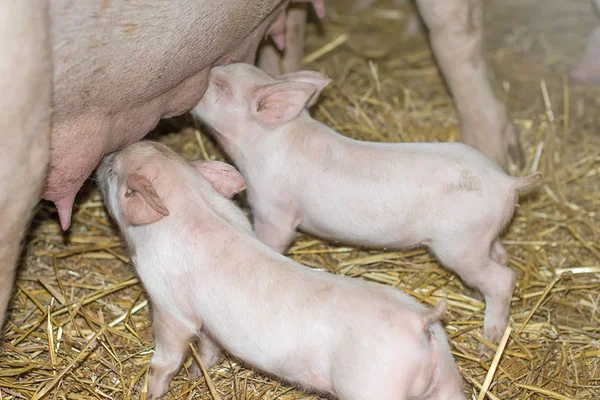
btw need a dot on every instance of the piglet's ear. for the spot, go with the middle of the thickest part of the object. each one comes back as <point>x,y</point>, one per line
<point>317,79</point>
<point>141,204</point>
<point>223,177</point>
<point>281,102</point>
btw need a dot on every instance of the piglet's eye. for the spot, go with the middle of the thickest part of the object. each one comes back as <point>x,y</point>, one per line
<point>222,86</point>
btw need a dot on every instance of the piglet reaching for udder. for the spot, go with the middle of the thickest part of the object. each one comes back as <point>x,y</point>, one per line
<point>209,278</point>
<point>302,174</point>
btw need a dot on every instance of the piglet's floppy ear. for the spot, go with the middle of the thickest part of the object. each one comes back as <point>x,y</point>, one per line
<point>317,79</point>
<point>223,177</point>
<point>281,102</point>
<point>141,204</point>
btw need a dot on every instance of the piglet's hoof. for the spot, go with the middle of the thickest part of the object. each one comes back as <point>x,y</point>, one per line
<point>484,352</point>
<point>194,370</point>
<point>492,334</point>
<point>157,386</point>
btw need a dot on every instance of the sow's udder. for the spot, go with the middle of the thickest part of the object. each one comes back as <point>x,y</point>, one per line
<point>79,144</point>
<point>119,91</point>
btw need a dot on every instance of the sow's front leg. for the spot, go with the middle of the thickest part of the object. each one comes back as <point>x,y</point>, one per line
<point>456,34</point>
<point>25,84</point>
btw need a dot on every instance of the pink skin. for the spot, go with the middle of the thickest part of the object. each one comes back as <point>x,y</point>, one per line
<point>289,40</point>
<point>118,67</point>
<point>151,63</point>
<point>327,333</point>
<point>25,84</point>
<point>301,174</point>
<point>456,35</point>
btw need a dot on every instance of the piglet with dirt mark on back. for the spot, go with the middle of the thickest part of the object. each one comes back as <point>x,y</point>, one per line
<point>211,280</point>
<point>302,174</point>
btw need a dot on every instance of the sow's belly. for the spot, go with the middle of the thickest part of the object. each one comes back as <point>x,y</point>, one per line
<point>121,66</point>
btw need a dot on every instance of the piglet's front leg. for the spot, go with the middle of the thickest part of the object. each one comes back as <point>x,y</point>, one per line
<point>171,340</point>
<point>276,231</point>
<point>209,352</point>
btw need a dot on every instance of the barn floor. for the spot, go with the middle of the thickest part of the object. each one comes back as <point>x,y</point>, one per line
<point>79,326</point>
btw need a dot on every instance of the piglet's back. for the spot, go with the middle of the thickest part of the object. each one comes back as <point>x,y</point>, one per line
<point>276,282</point>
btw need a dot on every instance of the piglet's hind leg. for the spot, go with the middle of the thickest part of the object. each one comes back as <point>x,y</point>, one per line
<point>497,283</point>
<point>171,344</point>
<point>479,270</point>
